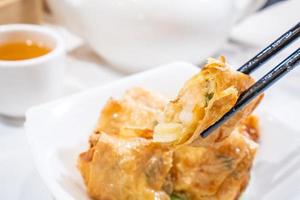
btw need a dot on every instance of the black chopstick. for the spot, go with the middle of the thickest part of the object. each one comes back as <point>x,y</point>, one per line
<point>261,85</point>
<point>271,50</point>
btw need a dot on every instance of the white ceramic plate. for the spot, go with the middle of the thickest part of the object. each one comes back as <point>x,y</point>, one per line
<point>58,131</point>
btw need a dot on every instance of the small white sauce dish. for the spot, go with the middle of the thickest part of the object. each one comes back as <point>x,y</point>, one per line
<point>29,82</point>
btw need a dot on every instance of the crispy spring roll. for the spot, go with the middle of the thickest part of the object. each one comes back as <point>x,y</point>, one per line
<point>203,100</point>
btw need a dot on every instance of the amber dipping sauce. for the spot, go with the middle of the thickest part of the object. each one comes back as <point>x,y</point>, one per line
<point>22,50</point>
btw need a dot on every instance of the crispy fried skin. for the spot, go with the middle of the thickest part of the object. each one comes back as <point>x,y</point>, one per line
<point>132,168</point>
<point>216,173</point>
<point>203,100</point>
<point>132,116</point>
<point>123,162</point>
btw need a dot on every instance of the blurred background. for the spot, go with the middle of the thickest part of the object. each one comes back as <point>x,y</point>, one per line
<point>125,37</point>
<point>128,36</point>
<point>108,40</point>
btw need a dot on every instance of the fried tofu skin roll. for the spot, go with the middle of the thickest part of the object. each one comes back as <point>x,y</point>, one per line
<point>218,173</point>
<point>134,115</point>
<point>122,162</point>
<point>134,168</point>
<point>203,100</point>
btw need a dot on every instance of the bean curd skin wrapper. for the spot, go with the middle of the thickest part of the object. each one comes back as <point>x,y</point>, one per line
<point>145,147</point>
<point>202,101</point>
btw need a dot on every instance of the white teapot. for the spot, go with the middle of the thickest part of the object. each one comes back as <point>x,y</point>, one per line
<point>134,35</point>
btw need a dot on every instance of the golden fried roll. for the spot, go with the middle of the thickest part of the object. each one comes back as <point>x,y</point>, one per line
<point>203,100</point>
<point>218,173</point>
<point>132,168</point>
<point>135,114</point>
<point>120,163</point>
